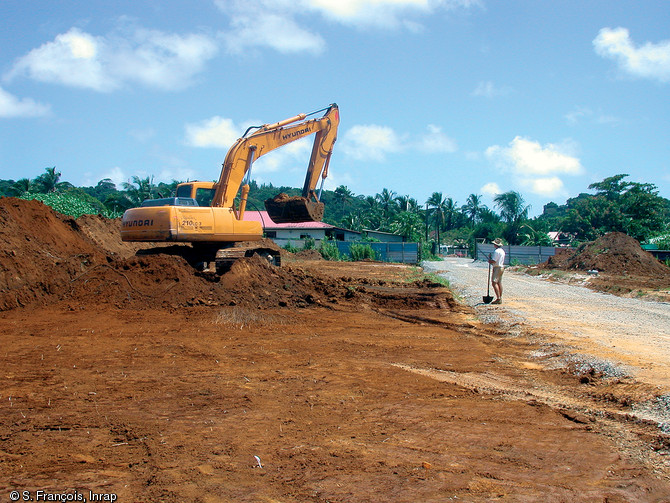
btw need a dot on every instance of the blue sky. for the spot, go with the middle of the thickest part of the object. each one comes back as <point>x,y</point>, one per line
<point>455,96</point>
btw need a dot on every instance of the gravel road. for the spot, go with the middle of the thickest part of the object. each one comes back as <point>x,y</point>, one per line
<point>625,335</point>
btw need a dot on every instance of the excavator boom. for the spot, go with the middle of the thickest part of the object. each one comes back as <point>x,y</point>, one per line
<point>266,138</point>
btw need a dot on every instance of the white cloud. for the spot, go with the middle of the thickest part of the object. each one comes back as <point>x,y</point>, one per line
<point>267,23</point>
<point>490,189</point>
<point>527,157</point>
<point>544,186</point>
<point>382,13</point>
<point>161,60</point>
<point>374,142</point>
<point>536,166</point>
<point>273,30</point>
<point>436,141</point>
<point>370,142</point>
<point>71,59</point>
<point>216,132</point>
<point>650,61</point>
<point>489,90</point>
<point>274,23</point>
<point>151,58</point>
<point>12,107</point>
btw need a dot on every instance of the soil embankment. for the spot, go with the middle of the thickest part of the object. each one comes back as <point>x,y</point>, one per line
<point>617,264</point>
<point>318,381</point>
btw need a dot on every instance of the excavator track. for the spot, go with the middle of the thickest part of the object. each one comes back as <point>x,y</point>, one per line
<point>226,257</point>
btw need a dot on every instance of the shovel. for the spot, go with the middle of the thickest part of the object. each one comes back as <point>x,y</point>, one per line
<point>487,298</point>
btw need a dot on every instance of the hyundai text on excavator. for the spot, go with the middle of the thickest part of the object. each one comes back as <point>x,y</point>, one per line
<point>204,213</point>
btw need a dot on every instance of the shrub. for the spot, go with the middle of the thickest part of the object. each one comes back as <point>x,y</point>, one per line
<point>329,250</point>
<point>309,244</point>
<point>426,251</point>
<point>361,252</point>
<point>290,248</point>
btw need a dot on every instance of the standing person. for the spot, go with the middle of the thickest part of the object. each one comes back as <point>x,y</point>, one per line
<point>498,263</point>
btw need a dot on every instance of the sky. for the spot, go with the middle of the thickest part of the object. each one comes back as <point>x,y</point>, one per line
<point>453,96</point>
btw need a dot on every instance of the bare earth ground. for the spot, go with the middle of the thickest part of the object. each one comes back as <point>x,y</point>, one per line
<point>318,381</point>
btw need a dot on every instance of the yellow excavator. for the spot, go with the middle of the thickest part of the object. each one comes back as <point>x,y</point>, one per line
<point>205,214</point>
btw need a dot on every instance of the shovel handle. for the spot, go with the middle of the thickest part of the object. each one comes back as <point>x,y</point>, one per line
<point>488,283</point>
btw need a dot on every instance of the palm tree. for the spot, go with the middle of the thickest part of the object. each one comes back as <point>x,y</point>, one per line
<point>343,194</point>
<point>387,202</point>
<point>407,203</point>
<point>372,215</point>
<point>449,212</point>
<point>438,204</point>
<point>387,199</point>
<point>533,237</point>
<point>512,211</point>
<point>408,225</point>
<point>472,207</point>
<point>511,206</point>
<point>50,181</point>
<point>353,221</point>
<point>140,189</point>
<point>21,186</point>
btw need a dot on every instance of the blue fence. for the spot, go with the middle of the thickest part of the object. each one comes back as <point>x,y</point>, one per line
<point>518,254</point>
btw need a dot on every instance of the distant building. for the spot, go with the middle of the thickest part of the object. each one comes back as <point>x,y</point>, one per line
<point>282,234</point>
<point>384,237</point>
<point>560,238</point>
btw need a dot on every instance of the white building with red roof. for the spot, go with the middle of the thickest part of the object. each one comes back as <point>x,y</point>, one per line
<point>282,234</point>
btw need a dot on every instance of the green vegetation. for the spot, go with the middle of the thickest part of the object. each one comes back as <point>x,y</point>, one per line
<point>359,251</point>
<point>417,274</point>
<point>290,248</point>
<point>329,251</point>
<point>616,204</point>
<point>73,203</point>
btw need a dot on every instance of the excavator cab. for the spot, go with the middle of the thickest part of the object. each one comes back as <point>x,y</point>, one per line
<point>202,192</point>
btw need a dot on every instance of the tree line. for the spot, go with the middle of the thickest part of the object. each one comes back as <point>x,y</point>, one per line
<point>615,204</point>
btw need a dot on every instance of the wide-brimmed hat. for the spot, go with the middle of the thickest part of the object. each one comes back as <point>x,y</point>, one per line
<point>498,242</point>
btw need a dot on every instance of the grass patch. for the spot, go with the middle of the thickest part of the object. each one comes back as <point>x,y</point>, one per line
<point>417,274</point>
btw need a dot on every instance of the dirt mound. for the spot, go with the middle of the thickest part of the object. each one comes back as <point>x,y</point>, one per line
<point>169,282</point>
<point>41,250</point>
<point>614,253</point>
<point>47,257</point>
<point>104,232</point>
<point>305,255</point>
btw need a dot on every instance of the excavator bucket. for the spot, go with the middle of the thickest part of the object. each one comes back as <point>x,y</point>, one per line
<point>292,209</point>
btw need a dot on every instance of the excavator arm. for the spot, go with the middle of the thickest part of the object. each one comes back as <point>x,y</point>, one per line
<point>265,139</point>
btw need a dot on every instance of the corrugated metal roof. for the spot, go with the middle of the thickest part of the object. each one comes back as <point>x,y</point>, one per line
<point>268,223</point>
